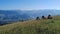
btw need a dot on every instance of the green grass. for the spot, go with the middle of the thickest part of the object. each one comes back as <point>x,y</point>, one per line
<point>46,26</point>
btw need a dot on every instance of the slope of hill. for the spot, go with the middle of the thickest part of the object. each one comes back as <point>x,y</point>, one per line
<point>43,26</point>
<point>8,16</point>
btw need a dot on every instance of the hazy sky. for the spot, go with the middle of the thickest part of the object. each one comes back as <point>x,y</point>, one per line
<point>29,4</point>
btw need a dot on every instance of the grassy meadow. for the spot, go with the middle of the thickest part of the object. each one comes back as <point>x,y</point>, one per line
<point>42,26</point>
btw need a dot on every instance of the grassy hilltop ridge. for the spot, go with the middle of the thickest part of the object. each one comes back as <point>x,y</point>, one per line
<point>43,26</point>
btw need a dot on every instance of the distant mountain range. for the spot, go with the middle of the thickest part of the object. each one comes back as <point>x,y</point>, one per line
<point>7,16</point>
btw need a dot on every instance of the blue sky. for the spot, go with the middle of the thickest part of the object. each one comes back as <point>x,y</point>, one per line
<point>29,4</point>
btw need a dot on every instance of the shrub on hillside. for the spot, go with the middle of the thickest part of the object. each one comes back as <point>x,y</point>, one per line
<point>49,17</point>
<point>43,17</point>
<point>37,18</point>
